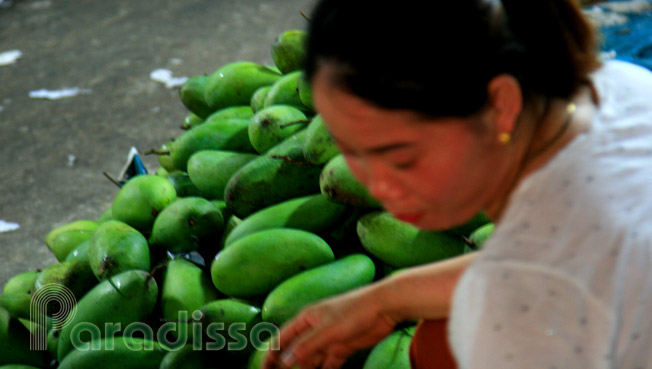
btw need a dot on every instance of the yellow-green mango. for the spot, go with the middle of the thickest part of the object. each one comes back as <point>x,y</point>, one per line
<point>77,276</point>
<point>279,175</point>
<point>401,244</point>
<point>186,224</point>
<point>117,247</point>
<point>17,304</point>
<point>289,50</point>
<point>319,147</point>
<point>238,319</point>
<point>286,92</point>
<point>164,158</point>
<point>255,264</point>
<point>141,199</point>
<point>312,213</point>
<point>222,134</point>
<point>334,278</point>
<point>21,283</point>
<point>466,228</point>
<point>273,124</point>
<point>338,183</point>
<point>80,253</point>
<point>258,98</point>
<point>481,235</point>
<point>184,358</point>
<point>183,185</point>
<point>231,225</point>
<point>122,299</point>
<point>117,353</point>
<point>15,344</point>
<point>192,94</point>
<point>235,83</point>
<point>106,215</point>
<point>210,170</point>
<point>64,239</point>
<point>393,352</point>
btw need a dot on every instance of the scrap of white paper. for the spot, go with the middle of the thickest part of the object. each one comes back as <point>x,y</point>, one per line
<point>164,76</point>
<point>58,94</point>
<point>9,57</point>
<point>636,6</point>
<point>8,226</point>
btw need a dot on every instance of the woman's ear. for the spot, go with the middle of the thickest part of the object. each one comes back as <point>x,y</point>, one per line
<point>506,102</point>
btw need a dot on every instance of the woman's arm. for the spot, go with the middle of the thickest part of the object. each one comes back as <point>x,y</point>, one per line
<point>423,292</point>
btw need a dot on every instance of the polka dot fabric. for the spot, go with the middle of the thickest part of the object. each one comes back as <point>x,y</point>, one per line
<point>565,281</point>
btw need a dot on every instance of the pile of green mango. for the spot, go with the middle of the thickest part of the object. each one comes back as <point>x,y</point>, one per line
<point>252,215</point>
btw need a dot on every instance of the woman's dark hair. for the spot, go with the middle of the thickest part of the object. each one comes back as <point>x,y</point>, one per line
<point>438,57</point>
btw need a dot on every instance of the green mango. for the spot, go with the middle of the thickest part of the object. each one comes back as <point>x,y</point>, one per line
<point>191,120</point>
<point>65,238</point>
<point>229,312</point>
<point>481,235</point>
<point>141,199</point>
<point>164,158</point>
<point>281,174</point>
<point>15,343</point>
<point>184,358</point>
<point>401,244</point>
<point>192,94</point>
<point>286,92</point>
<point>227,134</point>
<point>338,183</point>
<point>122,299</point>
<point>21,283</point>
<point>393,352</point>
<point>117,247</point>
<point>273,124</point>
<point>470,225</point>
<point>258,98</point>
<point>232,112</point>
<point>305,92</point>
<point>235,83</point>
<point>210,170</point>
<point>53,342</point>
<point>117,353</point>
<point>80,253</point>
<point>17,304</point>
<point>17,366</point>
<point>186,287</point>
<point>289,50</point>
<point>255,264</point>
<point>319,147</point>
<point>186,224</point>
<point>77,276</point>
<point>312,213</point>
<point>334,278</point>
<point>183,185</point>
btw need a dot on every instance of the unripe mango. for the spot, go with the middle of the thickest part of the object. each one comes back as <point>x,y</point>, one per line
<point>119,353</point>
<point>117,247</point>
<point>319,147</point>
<point>274,124</point>
<point>186,287</point>
<point>305,92</point>
<point>313,213</point>
<point>141,199</point>
<point>15,344</point>
<point>186,224</point>
<point>393,352</point>
<point>183,185</point>
<point>310,286</point>
<point>255,264</point>
<point>77,276</point>
<point>288,50</point>
<point>21,283</point>
<point>64,239</point>
<point>192,94</point>
<point>481,235</point>
<point>286,92</point>
<point>210,170</point>
<point>235,83</point>
<point>338,183</point>
<point>222,134</point>
<point>191,120</point>
<point>258,98</point>
<point>401,244</point>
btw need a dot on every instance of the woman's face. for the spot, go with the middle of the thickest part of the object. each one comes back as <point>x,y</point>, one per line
<point>434,174</point>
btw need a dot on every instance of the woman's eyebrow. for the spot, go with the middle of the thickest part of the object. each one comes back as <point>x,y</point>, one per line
<point>379,149</point>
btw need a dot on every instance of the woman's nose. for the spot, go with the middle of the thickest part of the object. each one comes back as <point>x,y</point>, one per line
<point>381,186</point>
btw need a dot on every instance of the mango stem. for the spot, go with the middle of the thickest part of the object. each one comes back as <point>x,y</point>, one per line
<point>157,152</point>
<point>115,182</point>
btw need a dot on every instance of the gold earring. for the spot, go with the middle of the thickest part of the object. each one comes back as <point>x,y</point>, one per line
<point>504,138</point>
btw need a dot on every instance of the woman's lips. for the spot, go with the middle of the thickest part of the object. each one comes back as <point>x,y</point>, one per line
<point>409,218</point>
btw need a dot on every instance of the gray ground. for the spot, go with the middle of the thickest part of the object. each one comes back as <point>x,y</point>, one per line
<point>109,47</point>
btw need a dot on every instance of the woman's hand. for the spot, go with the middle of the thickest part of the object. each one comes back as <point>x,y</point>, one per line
<point>325,334</point>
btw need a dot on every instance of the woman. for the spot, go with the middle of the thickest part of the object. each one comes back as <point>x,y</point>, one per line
<point>502,107</point>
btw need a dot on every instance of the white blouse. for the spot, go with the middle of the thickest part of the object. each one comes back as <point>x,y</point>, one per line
<point>565,281</point>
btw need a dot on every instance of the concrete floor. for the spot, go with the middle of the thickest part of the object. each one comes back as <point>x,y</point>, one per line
<point>109,47</point>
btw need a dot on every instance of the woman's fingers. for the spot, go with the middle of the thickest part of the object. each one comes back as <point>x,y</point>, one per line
<point>288,334</point>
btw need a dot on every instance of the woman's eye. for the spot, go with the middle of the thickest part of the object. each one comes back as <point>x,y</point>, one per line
<point>406,165</point>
